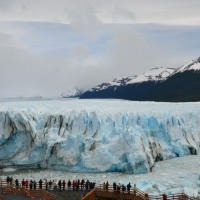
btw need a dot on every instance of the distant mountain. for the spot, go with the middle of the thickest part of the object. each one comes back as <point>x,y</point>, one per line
<point>73,93</point>
<point>158,84</point>
<point>115,83</point>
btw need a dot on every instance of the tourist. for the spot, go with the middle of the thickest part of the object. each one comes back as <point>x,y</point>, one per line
<point>11,180</point>
<point>31,184</point>
<point>73,184</point>
<point>26,184</point>
<point>59,185</point>
<point>46,184</point>
<point>82,183</point>
<point>87,185</point>
<point>69,184</point>
<point>40,184</point>
<point>129,187</point>
<point>63,184</point>
<point>34,184</point>
<point>54,185</point>
<point>118,187</point>
<point>123,188</point>
<point>114,186</point>
<point>92,185</point>
<point>23,183</point>
<point>77,185</point>
<point>104,186</point>
<point>107,185</point>
<point>164,196</point>
<point>50,185</point>
<point>8,180</point>
<point>17,183</point>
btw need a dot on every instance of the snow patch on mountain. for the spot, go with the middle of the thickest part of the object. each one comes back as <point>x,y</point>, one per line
<point>116,82</point>
<point>73,93</point>
<point>155,74</point>
<point>192,65</point>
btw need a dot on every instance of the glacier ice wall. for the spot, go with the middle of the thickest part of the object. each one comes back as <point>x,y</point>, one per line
<point>97,135</point>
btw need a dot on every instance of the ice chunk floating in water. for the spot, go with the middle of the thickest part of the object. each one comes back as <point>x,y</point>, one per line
<point>97,135</point>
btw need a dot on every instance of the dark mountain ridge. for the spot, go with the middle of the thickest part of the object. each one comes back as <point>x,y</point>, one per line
<point>159,84</point>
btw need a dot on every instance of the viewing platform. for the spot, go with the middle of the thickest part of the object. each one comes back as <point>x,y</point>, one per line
<point>100,193</point>
<point>12,192</point>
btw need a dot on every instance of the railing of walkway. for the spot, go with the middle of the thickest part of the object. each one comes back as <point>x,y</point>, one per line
<point>99,191</point>
<point>90,195</point>
<point>134,193</point>
<point>12,189</point>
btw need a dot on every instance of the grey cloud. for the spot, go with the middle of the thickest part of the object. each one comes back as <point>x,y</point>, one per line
<point>6,39</point>
<point>80,13</point>
<point>25,71</point>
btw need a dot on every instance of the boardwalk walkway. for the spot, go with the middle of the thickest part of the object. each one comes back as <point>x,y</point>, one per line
<point>101,193</point>
<point>11,192</point>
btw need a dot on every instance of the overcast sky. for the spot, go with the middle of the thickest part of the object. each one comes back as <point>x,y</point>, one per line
<point>50,46</point>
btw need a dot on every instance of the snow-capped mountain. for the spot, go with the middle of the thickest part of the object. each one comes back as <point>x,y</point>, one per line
<point>192,65</point>
<point>157,84</point>
<point>155,74</point>
<point>73,93</point>
<point>116,82</point>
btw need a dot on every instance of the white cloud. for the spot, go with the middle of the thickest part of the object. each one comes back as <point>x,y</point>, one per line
<point>78,12</point>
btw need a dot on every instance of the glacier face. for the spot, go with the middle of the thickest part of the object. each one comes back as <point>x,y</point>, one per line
<point>97,135</point>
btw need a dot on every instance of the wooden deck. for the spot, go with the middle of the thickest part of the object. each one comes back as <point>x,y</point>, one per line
<point>98,193</point>
<point>134,194</point>
<point>13,190</point>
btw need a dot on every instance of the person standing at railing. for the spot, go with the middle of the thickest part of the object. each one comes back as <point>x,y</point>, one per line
<point>92,185</point>
<point>146,196</point>
<point>40,183</point>
<point>11,180</point>
<point>17,183</point>
<point>118,187</point>
<point>8,180</point>
<point>59,185</point>
<point>31,184</point>
<point>78,185</point>
<point>69,184</point>
<point>164,197</point>
<point>46,184</point>
<point>107,185</point>
<point>114,186</point>
<point>50,185</point>
<point>34,184</point>
<point>87,185</point>
<point>63,183</point>
<point>54,185</point>
<point>129,187</point>
<point>123,188</point>
<point>73,184</point>
<point>104,186</point>
<point>26,184</point>
<point>23,183</point>
<point>82,183</point>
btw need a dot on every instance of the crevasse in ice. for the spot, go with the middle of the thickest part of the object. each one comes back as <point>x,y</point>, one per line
<point>97,135</point>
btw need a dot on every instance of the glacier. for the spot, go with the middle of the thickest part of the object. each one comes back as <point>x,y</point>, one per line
<point>96,135</point>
